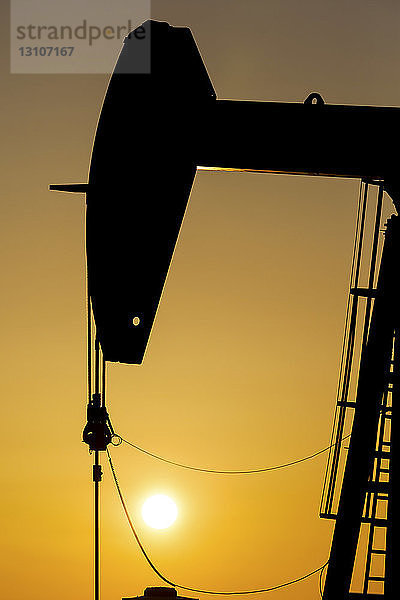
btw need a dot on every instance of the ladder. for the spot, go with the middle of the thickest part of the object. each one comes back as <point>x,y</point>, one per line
<point>367,492</point>
<point>377,497</point>
<point>379,493</point>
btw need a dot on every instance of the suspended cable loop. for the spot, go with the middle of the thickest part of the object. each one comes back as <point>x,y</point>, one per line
<point>184,587</point>
<point>231,472</point>
<point>321,574</point>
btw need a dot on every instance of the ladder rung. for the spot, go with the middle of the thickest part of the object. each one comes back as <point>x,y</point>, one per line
<point>378,486</point>
<point>361,596</point>
<point>382,453</point>
<point>377,551</point>
<point>364,292</point>
<point>376,578</point>
<point>327,515</point>
<point>393,377</point>
<point>378,522</point>
<point>382,497</point>
<point>382,470</point>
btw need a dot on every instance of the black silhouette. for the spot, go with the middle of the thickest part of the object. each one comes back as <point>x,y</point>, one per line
<point>155,129</point>
<point>159,593</point>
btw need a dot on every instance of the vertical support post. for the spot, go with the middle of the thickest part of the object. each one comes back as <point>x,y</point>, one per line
<point>96,479</point>
<point>392,587</point>
<point>97,475</point>
<point>97,435</point>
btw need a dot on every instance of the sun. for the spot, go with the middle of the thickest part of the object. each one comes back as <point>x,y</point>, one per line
<point>159,511</point>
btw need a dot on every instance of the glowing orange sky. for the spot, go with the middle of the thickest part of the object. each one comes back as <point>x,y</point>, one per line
<point>242,364</point>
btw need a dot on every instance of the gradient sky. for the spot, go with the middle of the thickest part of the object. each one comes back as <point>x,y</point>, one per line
<point>242,364</point>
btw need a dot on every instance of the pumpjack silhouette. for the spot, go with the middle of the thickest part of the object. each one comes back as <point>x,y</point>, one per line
<point>155,129</point>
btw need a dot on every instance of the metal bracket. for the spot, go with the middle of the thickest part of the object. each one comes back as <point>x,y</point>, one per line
<point>97,433</point>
